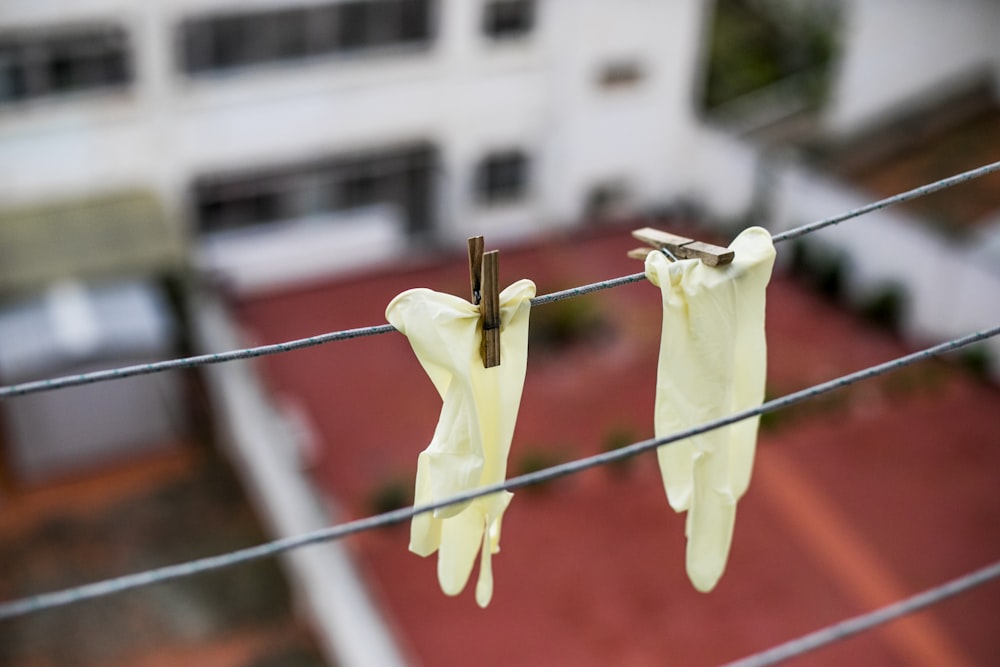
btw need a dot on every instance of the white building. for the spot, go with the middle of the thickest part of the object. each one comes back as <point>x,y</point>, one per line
<point>334,130</point>
<point>899,55</point>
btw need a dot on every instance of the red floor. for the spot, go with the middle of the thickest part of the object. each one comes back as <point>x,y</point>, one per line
<point>876,492</point>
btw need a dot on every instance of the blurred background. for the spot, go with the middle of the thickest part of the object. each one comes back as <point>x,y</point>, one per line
<point>186,176</point>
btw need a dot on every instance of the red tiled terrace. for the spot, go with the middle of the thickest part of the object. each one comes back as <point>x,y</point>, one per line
<point>860,498</point>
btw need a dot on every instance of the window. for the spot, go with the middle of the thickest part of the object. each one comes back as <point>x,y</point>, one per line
<point>620,74</point>
<point>402,176</point>
<point>502,177</point>
<point>608,199</point>
<point>43,64</point>
<point>504,19</point>
<point>237,40</point>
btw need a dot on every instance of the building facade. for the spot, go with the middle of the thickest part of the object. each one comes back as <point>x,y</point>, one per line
<point>353,126</point>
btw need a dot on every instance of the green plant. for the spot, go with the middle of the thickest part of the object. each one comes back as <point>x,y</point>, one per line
<point>977,360</point>
<point>821,267</point>
<point>756,43</point>
<point>537,458</point>
<point>885,307</point>
<point>392,493</point>
<point>617,437</point>
<point>567,322</point>
<point>824,404</point>
<point>770,420</point>
<point>927,377</point>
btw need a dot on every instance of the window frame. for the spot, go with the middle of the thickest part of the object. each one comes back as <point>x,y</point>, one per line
<point>327,30</point>
<point>401,174</point>
<point>506,20</point>
<point>66,61</point>
<point>503,177</point>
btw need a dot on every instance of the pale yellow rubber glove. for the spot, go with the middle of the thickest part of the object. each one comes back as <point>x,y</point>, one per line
<point>472,439</point>
<point>713,362</point>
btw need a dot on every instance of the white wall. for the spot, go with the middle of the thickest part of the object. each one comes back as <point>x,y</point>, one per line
<point>721,173</point>
<point>897,52</point>
<point>635,134</point>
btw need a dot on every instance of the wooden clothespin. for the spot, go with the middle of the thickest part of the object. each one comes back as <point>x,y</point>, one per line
<point>484,279</point>
<point>680,247</point>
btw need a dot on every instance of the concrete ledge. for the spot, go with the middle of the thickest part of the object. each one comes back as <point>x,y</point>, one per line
<point>259,443</point>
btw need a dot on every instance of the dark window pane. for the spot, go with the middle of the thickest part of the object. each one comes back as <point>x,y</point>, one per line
<point>508,18</point>
<point>360,189</point>
<point>12,82</point>
<point>354,24</point>
<point>502,177</point>
<point>50,63</point>
<point>415,20</point>
<point>230,42</point>
<point>115,67</point>
<point>382,23</point>
<point>400,176</point>
<point>321,29</point>
<point>223,42</point>
<point>287,35</point>
<point>60,73</point>
<point>195,46</point>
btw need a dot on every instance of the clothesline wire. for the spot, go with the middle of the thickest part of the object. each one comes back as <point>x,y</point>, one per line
<point>311,341</point>
<point>44,601</point>
<point>869,620</point>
